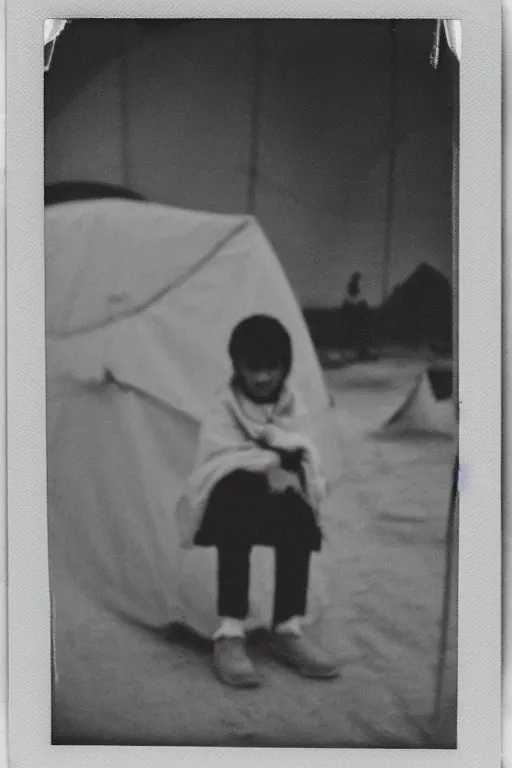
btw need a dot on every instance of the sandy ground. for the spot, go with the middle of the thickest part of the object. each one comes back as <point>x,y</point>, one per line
<point>124,684</point>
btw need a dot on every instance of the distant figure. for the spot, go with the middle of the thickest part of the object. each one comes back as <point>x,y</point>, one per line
<point>257,482</point>
<point>354,287</point>
<point>357,317</point>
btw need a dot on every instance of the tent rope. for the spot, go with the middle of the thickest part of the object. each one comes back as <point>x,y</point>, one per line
<point>254,136</point>
<point>392,150</point>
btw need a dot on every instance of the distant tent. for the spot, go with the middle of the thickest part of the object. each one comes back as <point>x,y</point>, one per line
<point>420,309</point>
<point>421,414</point>
<point>141,300</point>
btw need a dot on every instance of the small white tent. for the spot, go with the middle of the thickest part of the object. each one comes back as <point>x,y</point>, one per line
<point>422,414</point>
<point>141,301</point>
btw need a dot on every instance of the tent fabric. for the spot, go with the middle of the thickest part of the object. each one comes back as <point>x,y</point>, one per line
<point>128,383</point>
<point>198,277</point>
<point>142,261</point>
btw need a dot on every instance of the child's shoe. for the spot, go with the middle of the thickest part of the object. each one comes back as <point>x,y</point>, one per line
<point>297,651</point>
<point>232,665</point>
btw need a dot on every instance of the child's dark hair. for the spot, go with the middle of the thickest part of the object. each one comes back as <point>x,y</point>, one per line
<point>261,341</point>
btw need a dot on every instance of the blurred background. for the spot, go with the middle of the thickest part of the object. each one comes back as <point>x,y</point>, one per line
<point>336,134</point>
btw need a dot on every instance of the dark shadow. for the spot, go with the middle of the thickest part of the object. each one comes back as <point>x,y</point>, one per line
<point>71,191</point>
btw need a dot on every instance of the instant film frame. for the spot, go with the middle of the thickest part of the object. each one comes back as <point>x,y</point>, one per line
<point>479,386</point>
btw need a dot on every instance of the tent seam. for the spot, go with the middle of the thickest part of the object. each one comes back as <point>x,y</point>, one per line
<point>178,283</point>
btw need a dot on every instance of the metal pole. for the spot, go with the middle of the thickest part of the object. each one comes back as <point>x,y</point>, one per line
<point>452,542</point>
<point>449,594</point>
<point>254,135</point>
<point>392,148</point>
<point>124,107</point>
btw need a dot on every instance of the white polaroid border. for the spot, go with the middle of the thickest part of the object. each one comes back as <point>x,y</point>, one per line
<point>507,533</point>
<point>479,302</point>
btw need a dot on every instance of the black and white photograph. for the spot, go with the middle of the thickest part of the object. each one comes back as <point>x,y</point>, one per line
<point>251,240</point>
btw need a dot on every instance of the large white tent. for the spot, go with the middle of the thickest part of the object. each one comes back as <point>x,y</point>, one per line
<point>141,301</point>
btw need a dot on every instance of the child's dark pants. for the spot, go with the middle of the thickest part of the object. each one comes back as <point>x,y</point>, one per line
<point>242,513</point>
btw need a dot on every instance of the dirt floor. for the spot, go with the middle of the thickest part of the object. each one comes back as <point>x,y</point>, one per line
<point>124,684</point>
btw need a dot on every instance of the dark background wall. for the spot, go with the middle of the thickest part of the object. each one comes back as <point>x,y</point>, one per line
<point>179,111</point>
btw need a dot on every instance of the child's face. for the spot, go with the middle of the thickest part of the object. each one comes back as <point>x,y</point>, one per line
<point>262,383</point>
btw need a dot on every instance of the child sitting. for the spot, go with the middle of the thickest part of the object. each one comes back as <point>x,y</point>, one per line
<point>257,483</point>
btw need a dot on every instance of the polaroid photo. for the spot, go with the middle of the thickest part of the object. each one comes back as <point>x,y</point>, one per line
<point>254,382</point>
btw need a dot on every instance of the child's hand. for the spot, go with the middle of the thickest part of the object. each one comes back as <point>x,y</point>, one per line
<point>280,481</point>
